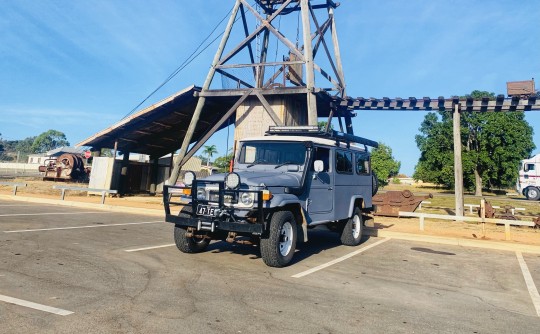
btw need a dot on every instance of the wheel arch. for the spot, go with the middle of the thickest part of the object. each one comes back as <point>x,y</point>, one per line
<point>299,216</point>
<point>356,201</point>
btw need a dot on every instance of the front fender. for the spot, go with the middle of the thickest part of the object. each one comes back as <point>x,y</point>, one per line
<point>280,200</point>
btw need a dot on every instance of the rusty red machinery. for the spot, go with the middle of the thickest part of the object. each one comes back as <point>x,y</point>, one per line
<point>391,203</point>
<point>66,167</point>
<point>491,212</point>
<point>536,222</point>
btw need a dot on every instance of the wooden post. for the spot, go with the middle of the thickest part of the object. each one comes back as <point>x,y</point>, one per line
<point>310,71</point>
<point>337,51</point>
<point>458,168</point>
<point>483,215</point>
<point>421,222</point>
<point>507,235</point>
<point>122,180</point>
<point>202,100</point>
<point>154,172</point>
<point>115,149</point>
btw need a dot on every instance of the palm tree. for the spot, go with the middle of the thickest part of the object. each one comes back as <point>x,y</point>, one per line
<point>209,151</point>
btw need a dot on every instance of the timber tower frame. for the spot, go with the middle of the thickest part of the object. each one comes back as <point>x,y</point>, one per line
<point>269,87</point>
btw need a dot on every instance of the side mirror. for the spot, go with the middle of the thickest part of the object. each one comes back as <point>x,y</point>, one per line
<point>318,166</point>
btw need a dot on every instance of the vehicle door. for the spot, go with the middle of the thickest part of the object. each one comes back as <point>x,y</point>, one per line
<point>345,183</point>
<point>363,177</point>
<point>321,194</point>
<point>529,174</point>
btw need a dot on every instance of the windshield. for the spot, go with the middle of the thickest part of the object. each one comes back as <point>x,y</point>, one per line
<point>272,153</point>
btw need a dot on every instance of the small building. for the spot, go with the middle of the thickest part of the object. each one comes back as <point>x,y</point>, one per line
<point>40,158</point>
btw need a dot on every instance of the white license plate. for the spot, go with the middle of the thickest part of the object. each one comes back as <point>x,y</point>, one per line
<point>207,210</point>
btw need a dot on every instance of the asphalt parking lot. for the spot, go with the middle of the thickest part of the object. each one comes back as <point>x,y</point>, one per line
<point>66,270</point>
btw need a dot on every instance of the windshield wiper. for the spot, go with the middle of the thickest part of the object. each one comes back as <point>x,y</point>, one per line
<point>255,162</point>
<point>286,163</point>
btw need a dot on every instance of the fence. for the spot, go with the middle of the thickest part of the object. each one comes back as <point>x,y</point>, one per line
<point>11,169</point>
<point>507,223</point>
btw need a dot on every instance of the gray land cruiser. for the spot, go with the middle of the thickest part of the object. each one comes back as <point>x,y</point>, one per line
<point>284,183</point>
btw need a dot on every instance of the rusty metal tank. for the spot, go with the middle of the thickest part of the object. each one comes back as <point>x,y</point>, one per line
<point>391,203</point>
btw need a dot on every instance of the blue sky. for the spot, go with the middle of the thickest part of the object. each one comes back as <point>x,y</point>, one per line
<point>79,66</point>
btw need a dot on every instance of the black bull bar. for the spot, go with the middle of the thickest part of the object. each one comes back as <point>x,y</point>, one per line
<point>224,219</point>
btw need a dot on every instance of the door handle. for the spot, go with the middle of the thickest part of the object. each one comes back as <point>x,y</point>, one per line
<point>330,188</point>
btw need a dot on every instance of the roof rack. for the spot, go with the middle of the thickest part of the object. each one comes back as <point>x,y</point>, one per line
<point>315,131</point>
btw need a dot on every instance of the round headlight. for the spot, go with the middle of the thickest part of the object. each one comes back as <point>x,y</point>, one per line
<point>201,193</point>
<point>188,178</point>
<point>246,199</point>
<point>232,181</point>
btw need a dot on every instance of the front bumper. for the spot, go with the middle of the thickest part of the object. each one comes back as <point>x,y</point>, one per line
<point>228,222</point>
<point>201,223</point>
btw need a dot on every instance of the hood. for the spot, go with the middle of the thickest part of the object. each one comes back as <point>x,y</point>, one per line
<point>270,179</point>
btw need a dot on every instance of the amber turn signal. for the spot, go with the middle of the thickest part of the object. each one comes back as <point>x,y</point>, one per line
<point>187,191</point>
<point>267,195</point>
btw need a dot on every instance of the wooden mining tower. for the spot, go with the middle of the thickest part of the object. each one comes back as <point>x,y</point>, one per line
<point>272,91</point>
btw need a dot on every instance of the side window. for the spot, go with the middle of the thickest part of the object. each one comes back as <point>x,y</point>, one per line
<point>362,164</point>
<point>344,162</point>
<point>529,167</point>
<point>323,154</point>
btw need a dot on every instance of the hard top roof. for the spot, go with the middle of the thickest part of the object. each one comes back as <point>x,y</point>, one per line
<point>315,140</point>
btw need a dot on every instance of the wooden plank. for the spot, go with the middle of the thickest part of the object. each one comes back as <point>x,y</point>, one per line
<point>268,108</point>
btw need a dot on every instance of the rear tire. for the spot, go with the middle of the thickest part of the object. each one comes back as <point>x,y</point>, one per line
<point>353,228</point>
<point>277,249</point>
<point>188,244</point>
<point>532,194</point>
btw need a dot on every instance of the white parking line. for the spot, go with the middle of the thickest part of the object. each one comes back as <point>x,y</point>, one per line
<point>343,258</point>
<point>530,282</point>
<point>148,248</point>
<point>51,213</point>
<point>35,306</point>
<point>78,227</point>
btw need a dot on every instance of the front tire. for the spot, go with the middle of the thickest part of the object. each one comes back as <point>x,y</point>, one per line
<point>185,243</point>
<point>277,249</point>
<point>353,228</point>
<point>532,193</point>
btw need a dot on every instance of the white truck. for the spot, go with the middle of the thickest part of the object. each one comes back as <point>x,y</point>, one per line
<point>529,178</point>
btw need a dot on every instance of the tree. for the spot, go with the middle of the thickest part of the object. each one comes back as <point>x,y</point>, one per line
<point>49,140</point>
<point>384,164</point>
<point>492,146</point>
<point>322,125</point>
<point>24,145</point>
<point>222,163</point>
<point>209,151</point>
<point>1,145</point>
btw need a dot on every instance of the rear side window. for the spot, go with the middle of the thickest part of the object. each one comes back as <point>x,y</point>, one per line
<point>362,164</point>
<point>344,162</point>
